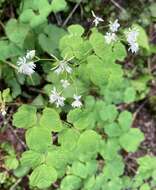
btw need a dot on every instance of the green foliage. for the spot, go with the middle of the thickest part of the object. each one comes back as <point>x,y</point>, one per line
<point>79,148</point>
<point>43,176</point>
<point>49,39</point>
<point>50,120</point>
<point>25,117</point>
<point>36,12</point>
<point>16,32</point>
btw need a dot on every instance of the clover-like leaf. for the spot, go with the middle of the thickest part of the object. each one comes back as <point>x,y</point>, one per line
<point>68,139</point>
<point>49,39</point>
<point>129,95</point>
<point>25,117</point>
<point>113,130</point>
<point>125,120</point>
<point>50,120</point>
<point>38,139</point>
<point>89,142</point>
<point>43,176</point>
<point>108,113</point>
<point>114,168</point>
<point>31,158</point>
<point>16,32</point>
<point>58,5</point>
<point>11,162</point>
<point>76,30</point>
<point>131,140</point>
<point>71,182</point>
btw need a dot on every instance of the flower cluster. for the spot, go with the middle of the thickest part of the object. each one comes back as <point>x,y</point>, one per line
<point>26,64</point>
<point>111,35</point>
<point>55,96</point>
<point>132,35</point>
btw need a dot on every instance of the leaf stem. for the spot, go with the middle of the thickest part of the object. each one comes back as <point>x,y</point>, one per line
<point>11,65</point>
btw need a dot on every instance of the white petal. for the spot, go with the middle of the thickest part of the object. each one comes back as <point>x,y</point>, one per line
<point>30,54</point>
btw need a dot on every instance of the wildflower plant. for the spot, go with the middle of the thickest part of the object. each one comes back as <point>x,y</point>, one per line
<point>76,138</point>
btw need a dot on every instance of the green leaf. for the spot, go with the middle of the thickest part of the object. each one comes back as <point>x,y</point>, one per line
<point>25,117</point>
<point>76,30</point>
<point>21,171</point>
<point>101,49</point>
<point>153,9</point>
<point>79,169</point>
<point>98,76</point>
<point>31,158</point>
<point>39,102</point>
<point>49,40</point>
<point>38,139</point>
<point>129,95</point>
<point>108,113</point>
<point>68,139</point>
<point>8,50</point>
<point>43,176</point>
<point>89,142</point>
<point>6,95</point>
<point>125,120</point>
<point>114,168</point>
<point>50,120</point>
<point>81,119</point>
<point>11,162</point>
<point>83,170</point>
<point>70,182</point>
<point>119,51</point>
<point>16,32</point>
<point>146,163</point>
<point>109,150</point>
<point>113,130</point>
<point>58,159</point>
<point>131,140</point>
<point>145,186</point>
<point>58,5</point>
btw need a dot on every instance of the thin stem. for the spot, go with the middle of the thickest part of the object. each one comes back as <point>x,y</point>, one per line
<point>118,6</point>
<point>74,84</point>
<point>53,56</point>
<point>11,65</point>
<point>13,187</point>
<point>31,79</point>
<point>3,26</point>
<point>43,60</point>
<point>71,13</point>
<point>38,59</point>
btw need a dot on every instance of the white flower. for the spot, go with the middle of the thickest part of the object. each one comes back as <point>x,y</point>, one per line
<point>56,98</point>
<point>3,111</point>
<point>26,67</point>
<point>110,37</point>
<point>132,35</point>
<point>65,83</point>
<point>25,64</point>
<point>134,47</point>
<point>63,67</point>
<point>97,19</point>
<point>114,26</point>
<point>30,54</point>
<point>76,103</point>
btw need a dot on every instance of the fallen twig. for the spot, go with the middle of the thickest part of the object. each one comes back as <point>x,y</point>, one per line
<point>71,13</point>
